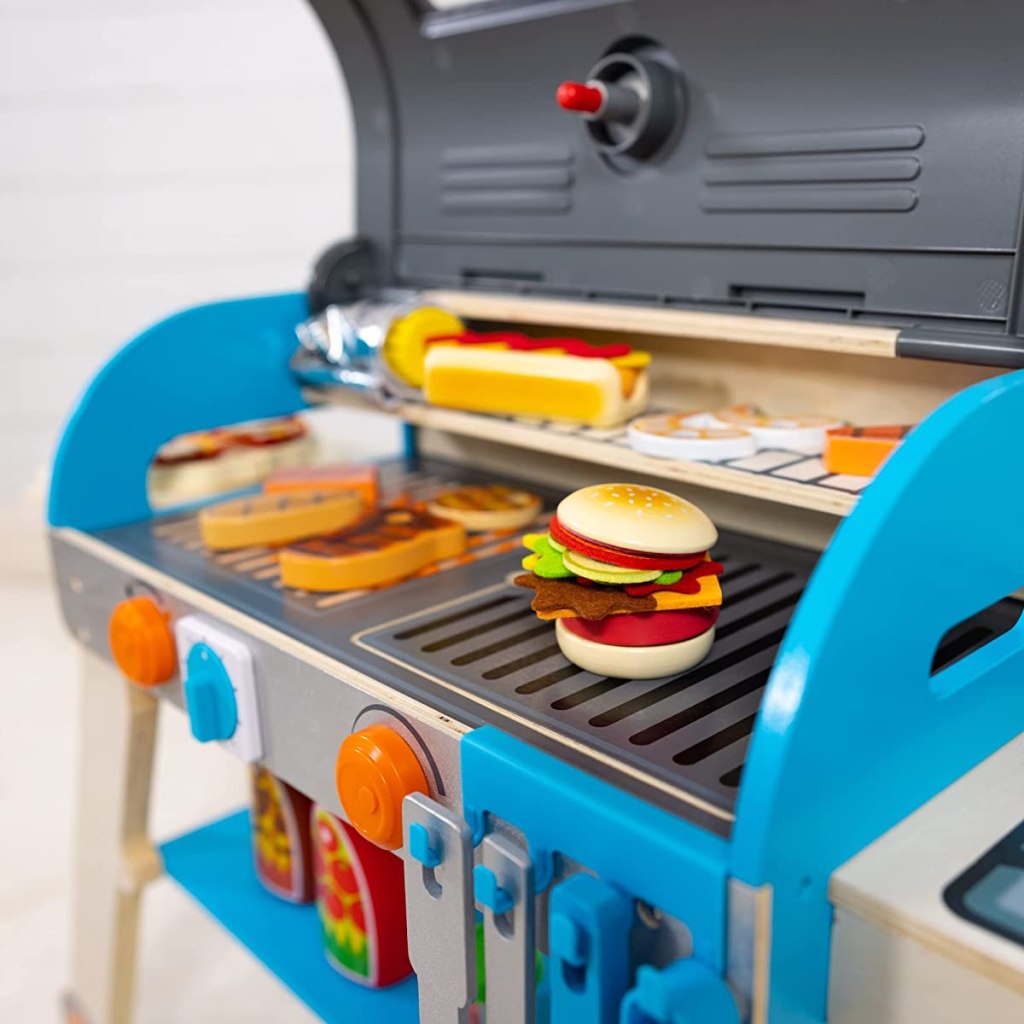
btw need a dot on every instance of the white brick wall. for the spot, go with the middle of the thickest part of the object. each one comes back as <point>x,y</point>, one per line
<point>152,155</point>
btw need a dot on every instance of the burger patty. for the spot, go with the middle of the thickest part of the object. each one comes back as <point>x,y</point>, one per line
<point>587,602</point>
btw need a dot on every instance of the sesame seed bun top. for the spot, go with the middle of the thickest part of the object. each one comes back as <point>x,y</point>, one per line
<point>638,518</point>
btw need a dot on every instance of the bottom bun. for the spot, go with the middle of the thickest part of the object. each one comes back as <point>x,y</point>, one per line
<point>633,662</point>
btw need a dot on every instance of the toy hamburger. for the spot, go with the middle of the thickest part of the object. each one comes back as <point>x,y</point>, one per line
<point>625,574</point>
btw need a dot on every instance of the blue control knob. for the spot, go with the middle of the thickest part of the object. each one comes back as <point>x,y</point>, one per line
<point>209,696</point>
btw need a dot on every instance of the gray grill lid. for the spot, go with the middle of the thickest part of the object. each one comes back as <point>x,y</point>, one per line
<point>862,182</point>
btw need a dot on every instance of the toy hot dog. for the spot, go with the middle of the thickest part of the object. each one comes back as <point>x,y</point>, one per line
<point>562,379</point>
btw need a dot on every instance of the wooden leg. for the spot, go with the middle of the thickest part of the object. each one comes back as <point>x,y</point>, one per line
<point>114,857</point>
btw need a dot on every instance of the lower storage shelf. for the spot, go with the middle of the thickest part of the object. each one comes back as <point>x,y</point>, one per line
<point>214,866</point>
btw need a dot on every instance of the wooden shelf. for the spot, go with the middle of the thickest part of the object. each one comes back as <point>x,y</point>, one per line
<point>214,866</point>
<point>785,477</point>
<point>779,476</point>
<point>750,329</point>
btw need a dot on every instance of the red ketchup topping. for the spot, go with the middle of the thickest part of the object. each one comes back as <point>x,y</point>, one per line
<point>521,343</point>
<point>689,584</point>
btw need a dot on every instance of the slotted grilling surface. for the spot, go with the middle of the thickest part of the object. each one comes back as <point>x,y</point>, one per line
<point>692,729</point>
<point>468,629</point>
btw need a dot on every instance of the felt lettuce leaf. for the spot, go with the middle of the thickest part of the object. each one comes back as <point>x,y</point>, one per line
<point>546,561</point>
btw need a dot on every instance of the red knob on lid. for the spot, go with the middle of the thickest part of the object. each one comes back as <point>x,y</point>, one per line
<point>580,98</point>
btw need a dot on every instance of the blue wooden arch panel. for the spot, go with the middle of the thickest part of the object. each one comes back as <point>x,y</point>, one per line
<point>853,733</point>
<point>205,367</point>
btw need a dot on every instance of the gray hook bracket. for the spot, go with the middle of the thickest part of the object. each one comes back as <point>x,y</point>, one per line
<point>440,909</point>
<point>504,887</point>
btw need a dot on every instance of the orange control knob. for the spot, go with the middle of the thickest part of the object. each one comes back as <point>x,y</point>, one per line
<point>142,642</point>
<point>376,770</point>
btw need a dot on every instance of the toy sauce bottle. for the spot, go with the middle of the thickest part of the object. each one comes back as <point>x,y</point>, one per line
<point>360,895</point>
<point>281,843</point>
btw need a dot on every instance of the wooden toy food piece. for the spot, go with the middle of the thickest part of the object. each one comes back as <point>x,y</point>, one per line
<point>200,465</point>
<point>552,378</point>
<point>860,451</point>
<point>276,518</point>
<point>803,434</point>
<point>678,436</point>
<point>385,548</point>
<point>361,480</point>
<point>360,895</point>
<point>626,575</point>
<point>195,447</point>
<point>282,845</point>
<point>481,507</point>
<point>405,346</point>
<point>286,440</point>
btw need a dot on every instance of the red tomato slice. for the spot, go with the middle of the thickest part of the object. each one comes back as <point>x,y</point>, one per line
<point>622,557</point>
<point>335,908</point>
<point>645,629</point>
<point>344,877</point>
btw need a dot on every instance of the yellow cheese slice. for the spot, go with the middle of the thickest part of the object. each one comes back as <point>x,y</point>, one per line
<point>709,596</point>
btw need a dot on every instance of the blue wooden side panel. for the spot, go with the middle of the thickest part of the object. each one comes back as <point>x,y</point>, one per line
<point>205,367</point>
<point>853,734</point>
<point>649,853</point>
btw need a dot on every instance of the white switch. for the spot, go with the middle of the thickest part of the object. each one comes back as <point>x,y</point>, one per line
<point>247,740</point>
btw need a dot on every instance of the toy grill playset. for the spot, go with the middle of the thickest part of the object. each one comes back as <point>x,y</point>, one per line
<point>673,672</point>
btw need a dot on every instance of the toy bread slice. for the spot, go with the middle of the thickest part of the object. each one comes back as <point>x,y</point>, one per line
<point>547,386</point>
<point>386,548</point>
<point>481,507</point>
<point>270,519</point>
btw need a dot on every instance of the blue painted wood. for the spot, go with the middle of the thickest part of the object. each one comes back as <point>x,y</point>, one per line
<point>563,810</point>
<point>853,733</point>
<point>209,366</point>
<point>214,866</point>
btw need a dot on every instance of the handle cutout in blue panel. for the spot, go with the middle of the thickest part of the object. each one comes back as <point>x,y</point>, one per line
<point>968,649</point>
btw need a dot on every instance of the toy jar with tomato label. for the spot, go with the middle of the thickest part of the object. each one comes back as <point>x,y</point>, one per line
<point>360,895</point>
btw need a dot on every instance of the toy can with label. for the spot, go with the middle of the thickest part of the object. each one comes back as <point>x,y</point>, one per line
<point>281,843</point>
<point>360,896</point>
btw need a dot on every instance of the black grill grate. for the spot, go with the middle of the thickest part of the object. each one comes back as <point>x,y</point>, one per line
<point>691,730</point>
